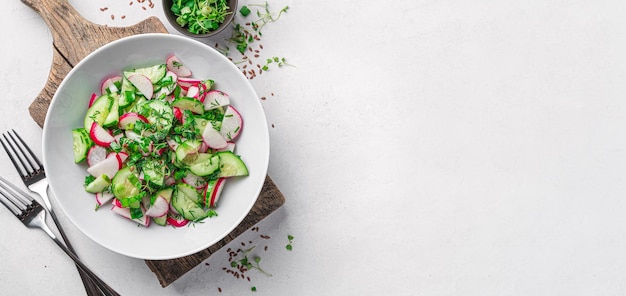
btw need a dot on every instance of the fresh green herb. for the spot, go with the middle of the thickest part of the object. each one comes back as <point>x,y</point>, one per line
<point>289,246</point>
<point>276,61</point>
<point>200,16</point>
<point>245,11</point>
<point>89,179</point>
<point>248,264</point>
<point>253,289</point>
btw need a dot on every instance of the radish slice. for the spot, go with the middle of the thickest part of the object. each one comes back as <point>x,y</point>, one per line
<point>96,154</point>
<point>128,120</point>
<point>125,212</point>
<point>213,138</point>
<point>109,84</point>
<point>92,99</point>
<point>231,124</point>
<point>213,191</point>
<point>123,156</point>
<point>178,114</point>
<point>193,92</point>
<point>100,136</point>
<point>103,197</point>
<point>159,208</point>
<point>109,166</point>
<point>143,84</point>
<point>194,181</point>
<point>215,99</point>
<point>175,65</point>
<point>185,83</point>
<point>229,147</point>
<point>177,222</point>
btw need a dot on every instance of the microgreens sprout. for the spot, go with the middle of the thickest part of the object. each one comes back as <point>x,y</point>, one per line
<point>247,263</point>
<point>276,61</point>
<point>289,245</point>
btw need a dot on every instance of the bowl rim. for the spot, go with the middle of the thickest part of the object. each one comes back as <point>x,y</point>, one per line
<point>263,170</point>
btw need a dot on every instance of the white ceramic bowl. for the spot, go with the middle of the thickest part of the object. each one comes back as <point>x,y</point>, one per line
<point>67,111</point>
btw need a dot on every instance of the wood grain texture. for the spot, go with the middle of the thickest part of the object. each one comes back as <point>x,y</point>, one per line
<point>73,39</point>
<point>167,271</point>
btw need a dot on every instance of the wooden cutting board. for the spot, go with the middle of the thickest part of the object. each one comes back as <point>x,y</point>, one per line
<point>74,38</point>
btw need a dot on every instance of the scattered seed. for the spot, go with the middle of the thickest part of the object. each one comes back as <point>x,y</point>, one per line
<point>261,46</point>
<point>112,17</point>
<point>123,17</point>
<point>265,236</point>
<point>103,8</point>
<point>272,125</point>
<point>131,3</point>
<point>263,98</point>
<point>143,7</point>
<point>265,249</point>
<point>219,289</point>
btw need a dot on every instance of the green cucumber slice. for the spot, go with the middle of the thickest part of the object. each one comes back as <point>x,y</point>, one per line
<point>81,144</point>
<point>185,205</point>
<point>154,73</point>
<point>231,165</point>
<point>191,104</point>
<point>205,164</point>
<point>125,184</point>
<point>99,184</point>
<point>99,111</point>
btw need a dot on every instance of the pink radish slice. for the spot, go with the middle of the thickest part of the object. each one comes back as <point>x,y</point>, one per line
<point>203,148</point>
<point>159,208</point>
<point>125,212</point>
<point>177,222</point>
<point>127,120</point>
<point>143,84</point>
<point>173,210</point>
<point>213,192</point>
<point>96,154</point>
<point>103,197</point>
<point>118,157</point>
<point>213,138</point>
<point>92,99</point>
<point>178,114</point>
<point>193,92</point>
<point>123,156</point>
<point>100,136</point>
<point>185,83</point>
<point>194,181</point>
<point>232,123</point>
<point>109,166</point>
<point>215,98</point>
<point>175,65</point>
<point>109,84</point>
<point>229,147</point>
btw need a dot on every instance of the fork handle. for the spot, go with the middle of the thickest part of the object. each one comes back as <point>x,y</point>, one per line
<point>41,188</point>
<point>106,289</point>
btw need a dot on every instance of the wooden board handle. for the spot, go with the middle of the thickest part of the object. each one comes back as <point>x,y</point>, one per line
<point>75,37</point>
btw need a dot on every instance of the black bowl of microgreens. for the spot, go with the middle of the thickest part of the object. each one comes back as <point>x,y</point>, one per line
<point>199,18</point>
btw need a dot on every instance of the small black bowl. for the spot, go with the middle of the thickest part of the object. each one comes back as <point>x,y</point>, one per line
<point>171,17</point>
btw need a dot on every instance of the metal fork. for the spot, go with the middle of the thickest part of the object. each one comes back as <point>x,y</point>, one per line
<point>33,215</point>
<point>34,176</point>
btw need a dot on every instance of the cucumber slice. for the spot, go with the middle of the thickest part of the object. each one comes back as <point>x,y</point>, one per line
<point>167,194</point>
<point>125,184</point>
<point>159,114</point>
<point>99,111</point>
<point>189,192</point>
<point>154,73</point>
<point>81,144</point>
<point>204,166</point>
<point>231,165</point>
<point>191,104</point>
<point>113,118</point>
<point>187,148</point>
<point>185,205</point>
<point>154,172</point>
<point>99,184</point>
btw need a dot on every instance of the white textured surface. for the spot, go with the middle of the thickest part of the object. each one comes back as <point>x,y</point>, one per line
<point>424,148</point>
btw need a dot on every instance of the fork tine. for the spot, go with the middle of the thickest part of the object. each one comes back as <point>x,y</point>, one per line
<point>30,152</point>
<point>28,165</point>
<point>14,198</point>
<point>23,173</point>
